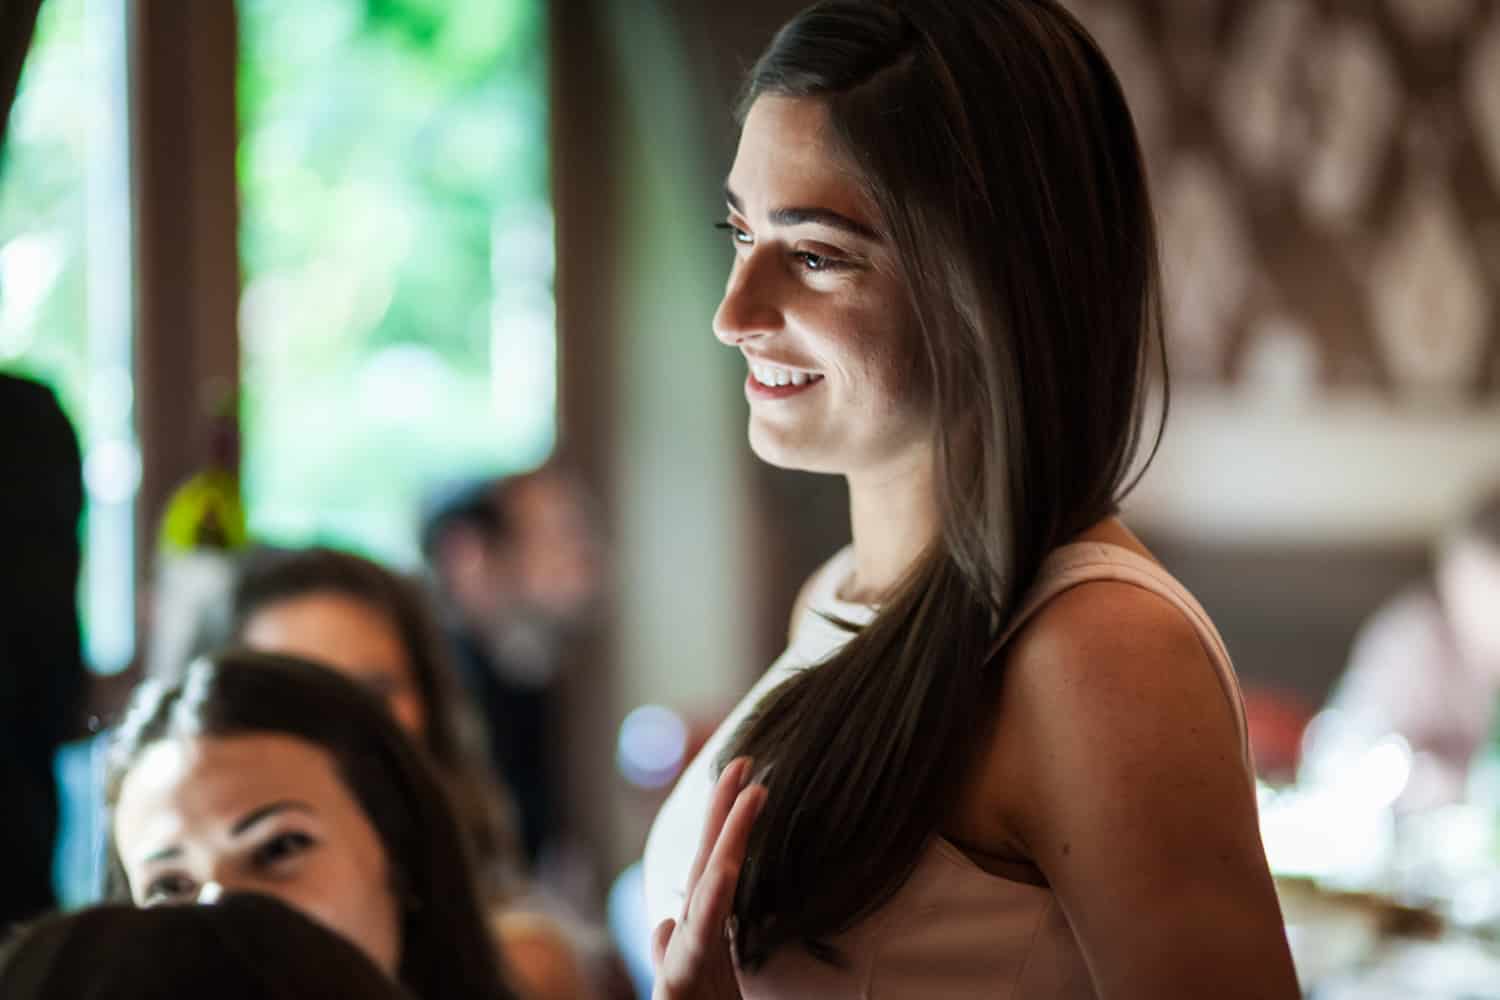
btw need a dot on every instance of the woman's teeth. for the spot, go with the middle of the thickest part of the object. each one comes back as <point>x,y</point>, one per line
<point>770,375</point>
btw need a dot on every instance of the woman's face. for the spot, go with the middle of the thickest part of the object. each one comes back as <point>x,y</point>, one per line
<point>815,304</point>
<point>351,636</point>
<point>264,813</point>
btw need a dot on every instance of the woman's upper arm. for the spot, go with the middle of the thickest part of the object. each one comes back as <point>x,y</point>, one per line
<point>1126,783</point>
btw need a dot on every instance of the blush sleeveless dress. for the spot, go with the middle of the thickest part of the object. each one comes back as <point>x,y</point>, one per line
<point>953,930</point>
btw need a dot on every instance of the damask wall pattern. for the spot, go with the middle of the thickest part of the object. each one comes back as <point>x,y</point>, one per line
<point>1326,176</point>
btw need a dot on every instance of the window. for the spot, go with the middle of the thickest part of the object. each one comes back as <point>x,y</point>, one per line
<point>65,299</point>
<point>396,238</point>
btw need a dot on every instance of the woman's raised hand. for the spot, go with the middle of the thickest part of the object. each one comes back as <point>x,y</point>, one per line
<point>693,958</point>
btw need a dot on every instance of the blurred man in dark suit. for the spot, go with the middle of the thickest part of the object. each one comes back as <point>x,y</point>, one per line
<point>518,574</point>
<point>42,677</point>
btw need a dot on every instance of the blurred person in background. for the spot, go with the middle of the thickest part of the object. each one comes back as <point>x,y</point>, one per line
<point>375,627</point>
<point>262,773</point>
<point>1426,665</point>
<point>43,680</point>
<point>244,947</point>
<point>515,562</point>
<point>370,624</point>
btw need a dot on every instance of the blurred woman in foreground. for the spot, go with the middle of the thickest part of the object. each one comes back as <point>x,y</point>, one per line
<point>247,947</point>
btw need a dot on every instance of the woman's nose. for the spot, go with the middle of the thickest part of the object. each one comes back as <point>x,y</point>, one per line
<point>750,308</point>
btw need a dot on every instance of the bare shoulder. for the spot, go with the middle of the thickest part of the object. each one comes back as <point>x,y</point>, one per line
<point>1120,676</point>
<point>1106,645</point>
<point>1117,768</point>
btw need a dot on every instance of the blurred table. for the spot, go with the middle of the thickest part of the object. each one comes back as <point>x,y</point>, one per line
<point>1384,905</point>
<point>1363,945</point>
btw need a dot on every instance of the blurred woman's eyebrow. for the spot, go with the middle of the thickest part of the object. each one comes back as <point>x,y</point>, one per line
<point>267,811</point>
<point>165,854</point>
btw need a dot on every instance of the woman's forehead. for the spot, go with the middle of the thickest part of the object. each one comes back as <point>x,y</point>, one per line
<point>787,158</point>
<point>328,626</point>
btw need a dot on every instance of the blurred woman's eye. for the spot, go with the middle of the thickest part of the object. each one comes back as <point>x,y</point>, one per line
<point>382,686</point>
<point>169,888</point>
<point>281,848</point>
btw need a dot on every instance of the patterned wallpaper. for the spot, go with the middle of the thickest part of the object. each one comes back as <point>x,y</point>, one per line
<point>1327,179</point>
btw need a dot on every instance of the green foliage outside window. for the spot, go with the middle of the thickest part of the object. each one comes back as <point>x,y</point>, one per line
<point>396,240</point>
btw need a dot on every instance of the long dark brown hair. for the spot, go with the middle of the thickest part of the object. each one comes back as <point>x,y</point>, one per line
<point>447,949</point>
<point>453,736</point>
<point>994,140</point>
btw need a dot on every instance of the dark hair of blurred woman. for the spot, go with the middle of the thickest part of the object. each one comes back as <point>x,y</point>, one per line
<point>248,947</point>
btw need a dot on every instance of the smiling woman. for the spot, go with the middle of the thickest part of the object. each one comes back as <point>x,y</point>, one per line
<point>264,773</point>
<point>815,302</point>
<point>1004,752</point>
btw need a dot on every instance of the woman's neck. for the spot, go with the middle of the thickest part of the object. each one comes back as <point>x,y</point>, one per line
<point>893,517</point>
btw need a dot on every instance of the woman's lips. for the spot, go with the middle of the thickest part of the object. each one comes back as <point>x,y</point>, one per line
<point>756,389</point>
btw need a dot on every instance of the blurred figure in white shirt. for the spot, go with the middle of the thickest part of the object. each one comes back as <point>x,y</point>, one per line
<point>1427,664</point>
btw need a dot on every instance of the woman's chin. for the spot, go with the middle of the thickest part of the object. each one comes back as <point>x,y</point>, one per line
<point>776,449</point>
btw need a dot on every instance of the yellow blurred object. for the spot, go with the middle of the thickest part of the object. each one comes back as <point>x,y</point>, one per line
<point>205,513</point>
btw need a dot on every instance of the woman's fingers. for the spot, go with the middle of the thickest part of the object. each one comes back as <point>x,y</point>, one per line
<point>661,939</point>
<point>696,951</point>
<point>733,842</point>
<point>726,791</point>
<point>708,907</point>
<point>692,957</point>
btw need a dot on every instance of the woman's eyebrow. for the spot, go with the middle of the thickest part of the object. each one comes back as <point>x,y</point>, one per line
<point>797,216</point>
<point>267,811</point>
<point>165,854</point>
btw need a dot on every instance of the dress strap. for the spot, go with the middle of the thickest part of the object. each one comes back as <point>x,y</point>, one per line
<point>1084,562</point>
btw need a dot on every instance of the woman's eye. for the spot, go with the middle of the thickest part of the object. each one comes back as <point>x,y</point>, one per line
<point>815,261</point>
<point>282,847</point>
<point>736,234</point>
<point>169,889</point>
